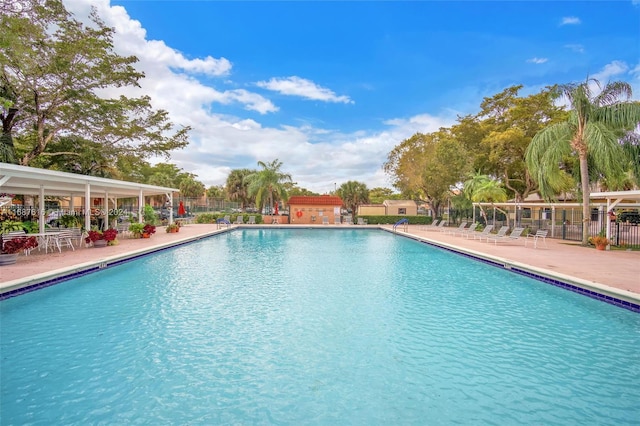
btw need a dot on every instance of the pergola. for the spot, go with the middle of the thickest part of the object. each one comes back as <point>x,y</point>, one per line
<point>32,181</point>
<point>613,199</point>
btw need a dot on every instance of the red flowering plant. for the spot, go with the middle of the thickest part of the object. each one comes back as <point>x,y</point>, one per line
<point>149,229</point>
<point>108,235</point>
<point>16,245</point>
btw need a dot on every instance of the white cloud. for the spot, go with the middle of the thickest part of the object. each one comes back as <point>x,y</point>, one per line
<point>570,20</point>
<point>296,86</point>
<point>611,70</point>
<point>537,60</point>
<point>575,47</point>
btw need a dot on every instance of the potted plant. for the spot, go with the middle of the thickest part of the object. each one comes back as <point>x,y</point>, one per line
<point>600,241</point>
<point>69,221</point>
<point>12,247</point>
<point>102,238</point>
<point>172,228</point>
<point>10,226</point>
<point>136,229</point>
<point>148,230</point>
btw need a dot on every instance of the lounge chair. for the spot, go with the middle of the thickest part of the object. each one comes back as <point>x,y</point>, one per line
<point>430,226</point>
<point>540,234</point>
<point>348,220</point>
<point>454,230</point>
<point>438,227</point>
<point>514,235</point>
<point>361,221</point>
<point>252,220</point>
<point>239,220</point>
<point>325,220</point>
<point>479,234</point>
<point>501,233</point>
<point>227,218</point>
<point>336,220</point>
<point>465,231</point>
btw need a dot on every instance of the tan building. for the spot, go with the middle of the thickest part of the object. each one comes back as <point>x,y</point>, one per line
<point>314,209</point>
<point>389,208</point>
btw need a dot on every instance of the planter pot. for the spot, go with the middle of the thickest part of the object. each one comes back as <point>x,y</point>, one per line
<point>601,247</point>
<point>8,259</point>
<point>146,235</point>
<point>100,243</point>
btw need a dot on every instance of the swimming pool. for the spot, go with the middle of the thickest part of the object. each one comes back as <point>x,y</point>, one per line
<point>315,327</point>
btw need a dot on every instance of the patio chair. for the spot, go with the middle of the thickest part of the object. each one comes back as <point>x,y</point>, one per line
<point>479,234</point>
<point>348,220</point>
<point>252,220</point>
<point>453,230</point>
<point>540,234</point>
<point>466,231</point>
<point>336,220</point>
<point>361,221</point>
<point>516,234</point>
<point>239,220</point>
<point>325,220</point>
<point>430,226</point>
<point>501,233</point>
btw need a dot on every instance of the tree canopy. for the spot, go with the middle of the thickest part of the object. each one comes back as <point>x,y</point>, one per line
<point>53,74</point>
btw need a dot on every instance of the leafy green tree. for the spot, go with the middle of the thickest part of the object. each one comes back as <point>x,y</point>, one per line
<point>592,133</point>
<point>353,193</point>
<point>378,195</point>
<point>266,183</point>
<point>294,190</point>
<point>189,187</point>
<point>236,187</point>
<point>509,123</point>
<point>426,166</point>
<point>77,155</point>
<point>215,191</point>
<point>53,67</point>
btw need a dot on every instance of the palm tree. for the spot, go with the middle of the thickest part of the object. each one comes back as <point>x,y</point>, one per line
<point>481,188</point>
<point>352,194</point>
<point>236,187</point>
<point>266,182</point>
<point>592,133</point>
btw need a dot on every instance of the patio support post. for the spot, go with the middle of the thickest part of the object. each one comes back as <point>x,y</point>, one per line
<point>87,206</point>
<point>41,212</point>
<point>553,221</point>
<point>170,196</point>
<point>140,205</point>
<point>105,212</point>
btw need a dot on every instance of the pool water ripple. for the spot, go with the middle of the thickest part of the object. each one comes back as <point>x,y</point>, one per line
<point>315,327</point>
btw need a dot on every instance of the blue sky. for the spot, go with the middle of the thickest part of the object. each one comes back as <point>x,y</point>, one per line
<point>329,88</point>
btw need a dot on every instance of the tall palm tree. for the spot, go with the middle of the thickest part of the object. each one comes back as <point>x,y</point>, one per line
<point>592,133</point>
<point>267,182</point>
<point>352,194</point>
<point>236,187</point>
<point>481,188</point>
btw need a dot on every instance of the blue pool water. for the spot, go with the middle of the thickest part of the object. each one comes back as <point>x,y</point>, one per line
<point>315,327</point>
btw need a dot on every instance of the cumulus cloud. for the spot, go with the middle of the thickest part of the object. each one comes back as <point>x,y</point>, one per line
<point>570,20</point>
<point>537,60</point>
<point>296,86</point>
<point>610,71</point>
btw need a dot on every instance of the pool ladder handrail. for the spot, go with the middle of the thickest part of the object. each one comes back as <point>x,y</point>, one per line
<point>404,221</point>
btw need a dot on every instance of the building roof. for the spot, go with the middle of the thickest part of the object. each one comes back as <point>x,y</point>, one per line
<point>320,200</point>
<point>25,180</point>
<point>400,203</point>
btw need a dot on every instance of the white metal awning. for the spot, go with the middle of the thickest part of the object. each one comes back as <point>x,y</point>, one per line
<point>29,180</point>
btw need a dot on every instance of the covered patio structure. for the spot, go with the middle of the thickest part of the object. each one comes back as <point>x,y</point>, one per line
<point>41,183</point>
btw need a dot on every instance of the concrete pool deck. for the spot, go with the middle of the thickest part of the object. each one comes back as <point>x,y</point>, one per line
<point>614,272</point>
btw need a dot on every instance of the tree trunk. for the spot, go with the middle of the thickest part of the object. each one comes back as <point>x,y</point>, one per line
<point>586,201</point>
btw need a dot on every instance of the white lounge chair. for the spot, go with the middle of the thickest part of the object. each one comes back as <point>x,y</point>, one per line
<point>501,233</point>
<point>336,220</point>
<point>479,234</point>
<point>239,220</point>
<point>439,227</point>
<point>465,231</point>
<point>252,220</point>
<point>541,234</point>
<point>430,226</point>
<point>361,221</point>
<point>514,235</point>
<point>325,220</point>
<point>453,230</point>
